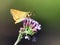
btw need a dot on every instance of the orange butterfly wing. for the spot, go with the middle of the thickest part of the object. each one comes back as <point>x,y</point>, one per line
<point>18,16</point>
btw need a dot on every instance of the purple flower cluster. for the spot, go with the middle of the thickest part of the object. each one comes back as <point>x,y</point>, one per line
<point>32,23</point>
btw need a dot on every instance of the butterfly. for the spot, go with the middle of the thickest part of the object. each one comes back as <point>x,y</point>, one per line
<point>19,16</point>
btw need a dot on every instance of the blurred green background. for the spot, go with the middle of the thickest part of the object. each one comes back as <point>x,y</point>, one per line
<point>46,12</point>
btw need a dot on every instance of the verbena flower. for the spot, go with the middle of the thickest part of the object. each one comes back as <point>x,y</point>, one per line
<point>30,27</point>
<point>28,22</point>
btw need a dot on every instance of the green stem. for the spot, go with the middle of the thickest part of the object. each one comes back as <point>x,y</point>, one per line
<point>18,39</point>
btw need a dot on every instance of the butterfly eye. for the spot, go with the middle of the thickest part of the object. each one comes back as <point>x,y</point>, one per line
<point>29,14</point>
